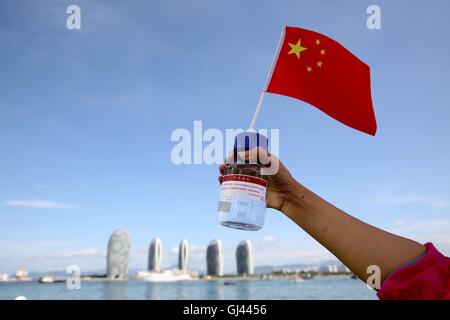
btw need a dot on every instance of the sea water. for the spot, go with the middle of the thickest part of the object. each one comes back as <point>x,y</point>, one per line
<point>329,287</point>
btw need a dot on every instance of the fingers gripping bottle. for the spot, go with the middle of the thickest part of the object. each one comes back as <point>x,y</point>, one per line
<point>242,202</point>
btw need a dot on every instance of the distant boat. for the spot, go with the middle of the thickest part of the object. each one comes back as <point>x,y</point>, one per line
<point>298,279</point>
<point>308,276</point>
<point>265,276</point>
<point>4,277</point>
<point>163,276</point>
<point>46,279</point>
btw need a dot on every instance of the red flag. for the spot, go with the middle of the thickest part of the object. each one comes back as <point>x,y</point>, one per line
<point>318,70</point>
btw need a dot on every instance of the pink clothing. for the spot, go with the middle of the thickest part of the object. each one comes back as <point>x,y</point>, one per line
<point>426,277</point>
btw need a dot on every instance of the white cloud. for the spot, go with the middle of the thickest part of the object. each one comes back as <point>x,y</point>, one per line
<point>416,225</point>
<point>267,239</point>
<point>436,231</point>
<point>38,204</point>
<point>271,251</point>
<point>82,253</point>
<point>46,256</point>
<point>410,197</point>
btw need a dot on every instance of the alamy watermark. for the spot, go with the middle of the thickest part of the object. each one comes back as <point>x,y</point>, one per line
<point>209,147</point>
<point>373,22</point>
<point>73,21</point>
<point>73,281</point>
<point>374,279</point>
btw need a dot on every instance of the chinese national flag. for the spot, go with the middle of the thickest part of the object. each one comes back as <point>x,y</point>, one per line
<point>320,71</point>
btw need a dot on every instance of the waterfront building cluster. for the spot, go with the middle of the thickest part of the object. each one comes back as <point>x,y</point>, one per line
<point>119,251</point>
<point>118,255</point>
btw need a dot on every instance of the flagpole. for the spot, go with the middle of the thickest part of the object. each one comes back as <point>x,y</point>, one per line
<point>269,76</point>
<point>258,107</point>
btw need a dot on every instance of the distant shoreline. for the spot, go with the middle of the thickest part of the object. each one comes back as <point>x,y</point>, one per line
<point>48,279</point>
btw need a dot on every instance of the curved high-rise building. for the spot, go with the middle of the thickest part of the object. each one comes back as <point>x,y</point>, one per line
<point>118,254</point>
<point>244,258</point>
<point>183,256</point>
<point>214,258</point>
<point>155,255</point>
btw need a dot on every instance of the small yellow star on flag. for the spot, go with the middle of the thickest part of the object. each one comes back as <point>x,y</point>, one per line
<point>296,48</point>
<point>322,52</point>
<point>309,69</point>
<point>317,41</point>
<point>319,63</point>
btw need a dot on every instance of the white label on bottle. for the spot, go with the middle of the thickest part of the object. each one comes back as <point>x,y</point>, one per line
<point>243,199</point>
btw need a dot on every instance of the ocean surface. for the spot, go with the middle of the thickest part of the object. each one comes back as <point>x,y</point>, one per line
<point>331,287</point>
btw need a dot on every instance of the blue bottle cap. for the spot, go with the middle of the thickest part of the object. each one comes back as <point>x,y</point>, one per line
<point>250,139</point>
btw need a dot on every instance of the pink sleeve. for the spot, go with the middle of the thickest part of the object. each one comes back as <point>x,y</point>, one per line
<point>427,277</point>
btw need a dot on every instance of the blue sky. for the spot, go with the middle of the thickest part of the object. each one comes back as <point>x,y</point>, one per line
<point>86,117</point>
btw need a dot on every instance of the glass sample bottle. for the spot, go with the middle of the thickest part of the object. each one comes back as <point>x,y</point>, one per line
<point>242,202</point>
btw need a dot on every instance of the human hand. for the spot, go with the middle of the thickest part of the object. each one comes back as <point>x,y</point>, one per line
<point>281,183</point>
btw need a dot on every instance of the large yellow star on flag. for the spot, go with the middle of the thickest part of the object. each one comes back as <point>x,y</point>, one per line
<point>296,48</point>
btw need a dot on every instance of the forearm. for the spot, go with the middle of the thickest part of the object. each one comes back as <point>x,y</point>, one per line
<point>357,244</point>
